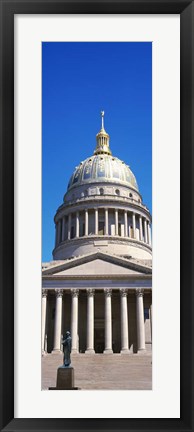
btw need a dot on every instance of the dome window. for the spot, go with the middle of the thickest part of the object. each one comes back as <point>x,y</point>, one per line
<point>117,192</point>
<point>131,195</point>
<point>101,191</point>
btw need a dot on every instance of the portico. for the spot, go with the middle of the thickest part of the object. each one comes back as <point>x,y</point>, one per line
<point>109,313</point>
<point>110,339</point>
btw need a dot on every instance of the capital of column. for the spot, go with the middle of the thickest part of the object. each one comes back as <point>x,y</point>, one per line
<point>59,292</point>
<point>139,292</point>
<point>123,292</point>
<point>90,292</point>
<point>108,292</point>
<point>44,293</point>
<point>74,292</point>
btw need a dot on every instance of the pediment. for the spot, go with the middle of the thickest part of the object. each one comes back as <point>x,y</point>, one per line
<point>97,264</point>
<point>96,267</point>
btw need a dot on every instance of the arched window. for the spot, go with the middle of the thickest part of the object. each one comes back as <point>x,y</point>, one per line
<point>117,192</point>
<point>131,195</point>
<point>101,191</point>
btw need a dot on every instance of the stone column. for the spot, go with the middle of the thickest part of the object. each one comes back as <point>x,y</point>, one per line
<point>77,224</point>
<point>145,231</point>
<point>126,224</point>
<point>63,228</point>
<point>106,221</point>
<point>116,223</point>
<point>149,234</point>
<point>58,232</point>
<point>90,321</point>
<point>151,321</point>
<point>129,229</point>
<point>74,319</point>
<point>69,226</point>
<point>134,226</point>
<point>44,307</point>
<point>140,320</point>
<point>108,322</point>
<point>124,323</point>
<point>86,222</point>
<point>58,321</point>
<point>140,228</point>
<point>96,221</point>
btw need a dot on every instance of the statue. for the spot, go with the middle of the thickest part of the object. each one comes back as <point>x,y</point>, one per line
<point>67,349</point>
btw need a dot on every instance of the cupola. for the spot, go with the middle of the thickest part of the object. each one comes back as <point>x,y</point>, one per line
<point>102,139</point>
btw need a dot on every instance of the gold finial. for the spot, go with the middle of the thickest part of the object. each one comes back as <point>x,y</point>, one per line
<point>102,138</point>
<point>102,115</point>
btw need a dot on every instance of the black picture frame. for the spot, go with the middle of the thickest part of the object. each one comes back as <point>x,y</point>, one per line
<point>7,10</point>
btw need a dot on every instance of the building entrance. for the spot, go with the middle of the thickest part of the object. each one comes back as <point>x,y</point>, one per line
<point>99,340</point>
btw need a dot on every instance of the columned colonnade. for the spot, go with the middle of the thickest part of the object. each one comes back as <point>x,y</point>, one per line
<point>90,320</point>
<point>66,229</point>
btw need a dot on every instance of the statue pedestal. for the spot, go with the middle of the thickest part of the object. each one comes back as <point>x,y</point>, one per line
<point>65,379</point>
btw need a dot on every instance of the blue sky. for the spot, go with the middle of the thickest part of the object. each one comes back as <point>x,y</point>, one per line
<point>79,79</point>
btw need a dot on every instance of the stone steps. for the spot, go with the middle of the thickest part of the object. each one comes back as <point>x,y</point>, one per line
<point>108,371</point>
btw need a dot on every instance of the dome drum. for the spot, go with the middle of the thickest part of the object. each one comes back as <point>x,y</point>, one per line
<point>114,224</point>
<point>106,189</point>
<point>114,245</point>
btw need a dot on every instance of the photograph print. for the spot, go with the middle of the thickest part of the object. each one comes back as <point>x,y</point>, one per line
<point>96,216</point>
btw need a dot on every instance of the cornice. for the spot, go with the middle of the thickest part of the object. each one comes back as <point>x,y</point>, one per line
<point>98,277</point>
<point>111,202</point>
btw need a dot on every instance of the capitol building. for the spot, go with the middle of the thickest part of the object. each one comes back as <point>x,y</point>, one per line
<point>99,283</point>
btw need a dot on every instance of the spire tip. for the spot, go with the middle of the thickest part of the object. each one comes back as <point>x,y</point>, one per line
<point>102,115</point>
